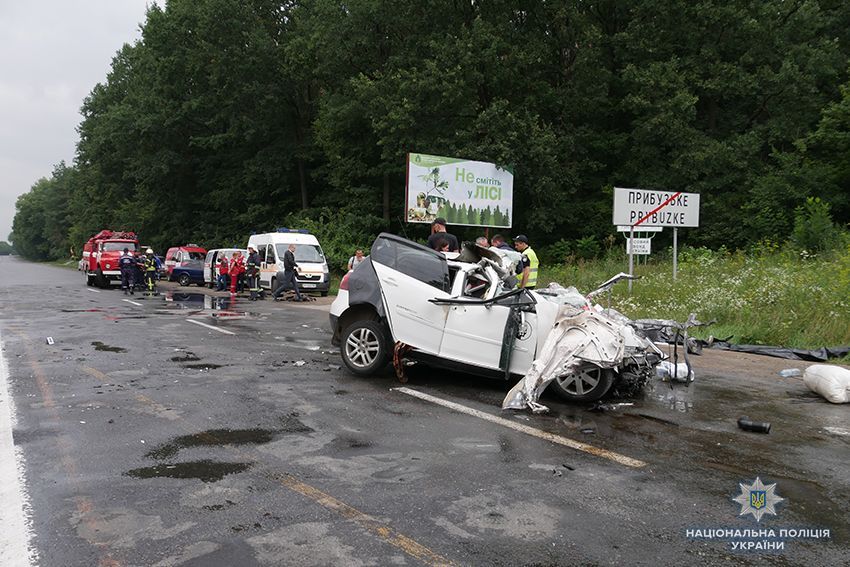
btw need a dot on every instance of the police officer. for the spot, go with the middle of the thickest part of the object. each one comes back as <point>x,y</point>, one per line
<point>528,264</point>
<point>127,264</point>
<point>150,271</point>
<point>252,271</point>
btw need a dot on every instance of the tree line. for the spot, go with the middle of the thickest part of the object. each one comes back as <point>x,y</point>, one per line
<point>230,117</point>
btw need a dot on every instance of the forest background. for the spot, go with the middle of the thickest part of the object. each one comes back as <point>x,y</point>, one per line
<point>228,118</point>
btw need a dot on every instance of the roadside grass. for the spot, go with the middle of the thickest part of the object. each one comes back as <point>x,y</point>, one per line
<point>70,264</point>
<point>772,298</point>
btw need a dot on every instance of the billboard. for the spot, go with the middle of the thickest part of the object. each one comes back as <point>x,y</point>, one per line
<point>464,192</point>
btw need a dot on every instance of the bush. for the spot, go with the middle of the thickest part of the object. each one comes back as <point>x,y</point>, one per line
<point>587,248</point>
<point>557,253</point>
<point>814,230</point>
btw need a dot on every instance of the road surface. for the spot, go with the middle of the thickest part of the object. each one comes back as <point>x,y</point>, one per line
<point>187,430</point>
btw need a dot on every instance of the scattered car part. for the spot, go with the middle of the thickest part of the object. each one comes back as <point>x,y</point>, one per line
<point>747,424</point>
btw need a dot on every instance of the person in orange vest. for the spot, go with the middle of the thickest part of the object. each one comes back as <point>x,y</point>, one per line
<point>222,273</point>
<point>237,267</point>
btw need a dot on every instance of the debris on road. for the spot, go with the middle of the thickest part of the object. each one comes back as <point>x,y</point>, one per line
<point>50,340</point>
<point>790,372</point>
<point>599,407</point>
<point>676,372</point>
<point>747,424</point>
<point>831,382</point>
<point>300,362</point>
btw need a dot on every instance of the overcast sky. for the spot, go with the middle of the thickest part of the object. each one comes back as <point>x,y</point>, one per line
<point>52,53</point>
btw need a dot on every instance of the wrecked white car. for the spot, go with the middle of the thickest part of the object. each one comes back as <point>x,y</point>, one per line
<point>407,302</point>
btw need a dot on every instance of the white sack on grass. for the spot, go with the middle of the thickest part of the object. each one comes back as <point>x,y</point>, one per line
<point>831,382</point>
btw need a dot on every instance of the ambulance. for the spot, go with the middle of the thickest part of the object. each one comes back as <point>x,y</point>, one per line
<point>314,274</point>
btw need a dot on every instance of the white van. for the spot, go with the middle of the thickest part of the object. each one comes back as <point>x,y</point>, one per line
<point>211,263</point>
<point>271,246</point>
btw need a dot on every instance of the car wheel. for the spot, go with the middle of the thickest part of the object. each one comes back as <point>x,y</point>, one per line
<point>184,279</point>
<point>364,347</point>
<point>586,384</point>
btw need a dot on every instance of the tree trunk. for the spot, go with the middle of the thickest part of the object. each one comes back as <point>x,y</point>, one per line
<point>302,180</point>
<point>386,196</point>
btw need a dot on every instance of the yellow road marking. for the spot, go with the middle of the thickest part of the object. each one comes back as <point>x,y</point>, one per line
<point>560,440</point>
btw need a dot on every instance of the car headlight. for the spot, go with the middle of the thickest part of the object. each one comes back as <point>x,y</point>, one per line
<point>108,266</point>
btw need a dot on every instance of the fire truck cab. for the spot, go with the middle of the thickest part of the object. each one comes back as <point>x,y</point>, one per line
<point>101,253</point>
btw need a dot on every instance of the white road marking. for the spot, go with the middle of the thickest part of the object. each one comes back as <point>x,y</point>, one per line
<point>92,290</point>
<point>225,331</point>
<point>566,441</point>
<point>133,302</point>
<point>16,536</point>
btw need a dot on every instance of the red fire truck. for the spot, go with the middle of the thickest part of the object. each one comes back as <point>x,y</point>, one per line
<point>101,253</point>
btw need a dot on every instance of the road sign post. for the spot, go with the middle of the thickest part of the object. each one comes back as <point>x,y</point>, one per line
<point>641,208</point>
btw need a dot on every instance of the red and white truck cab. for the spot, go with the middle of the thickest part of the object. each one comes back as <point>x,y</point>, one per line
<point>101,253</point>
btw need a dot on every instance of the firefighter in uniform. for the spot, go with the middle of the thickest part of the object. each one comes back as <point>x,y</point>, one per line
<point>127,264</point>
<point>527,267</point>
<point>252,272</point>
<point>150,271</point>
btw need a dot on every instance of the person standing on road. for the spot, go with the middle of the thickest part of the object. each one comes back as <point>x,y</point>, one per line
<point>236,268</point>
<point>528,264</point>
<point>290,266</point>
<point>150,271</point>
<point>355,260</point>
<point>127,264</point>
<point>222,273</point>
<point>252,273</point>
<point>438,230</point>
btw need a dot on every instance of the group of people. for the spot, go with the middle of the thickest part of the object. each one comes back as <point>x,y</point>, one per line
<point>526,268</point>
<point>138,271</point>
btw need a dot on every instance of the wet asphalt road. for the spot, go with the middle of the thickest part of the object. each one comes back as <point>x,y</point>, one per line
<point>151,440</point>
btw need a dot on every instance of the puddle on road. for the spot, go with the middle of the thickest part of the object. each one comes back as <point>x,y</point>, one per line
<point>187,357</point>
<point>205,470</point>
<point>104,347</point>
<point>220,307</point>
<point>212,437</point>
<point>202,366</point>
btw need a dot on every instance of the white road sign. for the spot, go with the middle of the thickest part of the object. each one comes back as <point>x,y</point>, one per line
<point>638,246</point>
<point>643,207</point>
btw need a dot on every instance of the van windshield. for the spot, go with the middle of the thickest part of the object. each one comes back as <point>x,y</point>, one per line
<point>303,252</point>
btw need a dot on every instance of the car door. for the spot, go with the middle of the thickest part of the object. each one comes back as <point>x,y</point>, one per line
<point>410,276</point>
<point>268,266</point>
<point>479,333</point>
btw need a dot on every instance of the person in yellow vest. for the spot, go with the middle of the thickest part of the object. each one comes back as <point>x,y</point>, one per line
<point>527,267</point>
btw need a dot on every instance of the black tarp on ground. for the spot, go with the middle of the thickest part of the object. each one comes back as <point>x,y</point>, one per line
<point>819,355</point>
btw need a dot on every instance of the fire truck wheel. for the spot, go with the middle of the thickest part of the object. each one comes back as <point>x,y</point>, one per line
<point>101,280</point>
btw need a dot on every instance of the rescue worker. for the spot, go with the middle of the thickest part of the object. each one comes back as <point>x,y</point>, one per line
<point>127,264</point>
<point>528,264</point>
<point>150,271</point>
<point>236,269</point>
<point>222,273</point>
<point>252,272</point>
<point>287,278</point>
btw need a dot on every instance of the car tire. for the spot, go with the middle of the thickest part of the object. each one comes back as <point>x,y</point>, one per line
<point>364,347</point>
<point>184,279</point>
<point>588,383</point>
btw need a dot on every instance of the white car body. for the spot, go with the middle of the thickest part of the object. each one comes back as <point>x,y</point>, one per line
<point>461,322</point>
